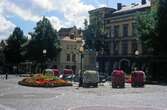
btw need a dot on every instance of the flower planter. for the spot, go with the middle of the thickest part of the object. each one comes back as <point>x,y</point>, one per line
<point>40,80</point>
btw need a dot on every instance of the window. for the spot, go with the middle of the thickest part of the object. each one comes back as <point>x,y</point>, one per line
<point>125,47</point>
<point>134,47</point>
<point>134,31</point>
<point>67,67</point>
<point>116,30</point>
<point>75,47</point>
<point>74,68</point>
<point>67,47</point>
<point>125,30</point>
<point>115,47</point>
<point>68,57</point>
<point>74,58</point>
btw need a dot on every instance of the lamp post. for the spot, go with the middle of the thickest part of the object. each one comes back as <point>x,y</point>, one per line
<point>44,54</point>
<point>81,50</point>
<point>136,55</point>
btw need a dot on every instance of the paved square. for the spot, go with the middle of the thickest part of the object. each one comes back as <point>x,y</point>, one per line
<point>16,97</point>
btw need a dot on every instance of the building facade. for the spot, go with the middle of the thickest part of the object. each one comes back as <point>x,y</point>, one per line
<point>70,56</point>
<point>125,45</point>
<point>70,42</point>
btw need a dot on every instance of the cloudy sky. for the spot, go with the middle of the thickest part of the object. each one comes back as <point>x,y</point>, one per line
<point>61,13</point>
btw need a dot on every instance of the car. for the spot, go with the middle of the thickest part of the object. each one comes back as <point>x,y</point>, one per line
<point>118,79</point>
<point>68,74</point>
<point>56,72</point>
<point>102,78</point>
<point>76,77</point>
<point>48,72</point>
<point>90,78</point>
<point>138,79</point>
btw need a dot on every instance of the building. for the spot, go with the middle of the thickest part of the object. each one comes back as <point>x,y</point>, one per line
<point>70,55</point>
<point>71,39</point>
<point>120,26</point>
<point>70,42</point>
<point>71,32</point>
<point>99,15</point>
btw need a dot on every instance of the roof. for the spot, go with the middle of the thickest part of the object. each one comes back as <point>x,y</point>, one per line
<point>133,7</point>
<point>101,9</point>
<point>65,29</point>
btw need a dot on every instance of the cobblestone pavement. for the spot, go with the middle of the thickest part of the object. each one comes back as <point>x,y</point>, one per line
<point>16,97</point>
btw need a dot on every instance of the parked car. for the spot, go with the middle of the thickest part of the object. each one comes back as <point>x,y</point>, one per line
<point>138,79</point>
<point>118,79</point>
<point>76,77</point>
<point>90,78</point>
<point>56,72</point>
<point>68,74</point>
<point>48,72</point>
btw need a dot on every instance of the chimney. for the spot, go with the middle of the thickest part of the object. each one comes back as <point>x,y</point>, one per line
<point>119,6</point>
<point>143,2</point>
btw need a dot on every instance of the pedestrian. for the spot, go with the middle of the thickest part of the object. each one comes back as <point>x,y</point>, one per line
<point>80,79</point>
<point>5,71</point>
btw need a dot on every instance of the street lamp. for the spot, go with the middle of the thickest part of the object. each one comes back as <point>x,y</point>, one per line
<point>137,54</point>
<point>44,54</point>
<point>44,51</point>
<point>81,50</point>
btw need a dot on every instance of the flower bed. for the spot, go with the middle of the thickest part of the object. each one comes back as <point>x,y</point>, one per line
<point>40,80</point>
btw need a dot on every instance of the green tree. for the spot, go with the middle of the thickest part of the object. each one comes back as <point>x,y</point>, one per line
<point>162,27</point>
<point>146,30</point>
<point>151,27</point>
<point>43,37</point>
<point>13,48</point>
<point>95,36</point>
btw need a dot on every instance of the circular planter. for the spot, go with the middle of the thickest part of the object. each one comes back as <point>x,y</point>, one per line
<point>43,81</point>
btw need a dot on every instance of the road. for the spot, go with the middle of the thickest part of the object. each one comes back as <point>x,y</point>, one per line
<point>16,97</point>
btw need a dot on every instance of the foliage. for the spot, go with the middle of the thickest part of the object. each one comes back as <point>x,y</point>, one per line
<point>40,80</point>
<point>152,31</point>
<point>43,37</point>
<point>162,27</point>
<point>146,23</point>
<point>95,35</point>
<point>151,27</point>
<point>13,48</point>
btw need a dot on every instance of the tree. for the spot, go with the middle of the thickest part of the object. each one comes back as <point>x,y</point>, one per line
<point>151,27</point>
<point>146,29</point>
<point>162,27</point>
<point>43,37</point>
<point>13,48</point>
<point>95,36</point>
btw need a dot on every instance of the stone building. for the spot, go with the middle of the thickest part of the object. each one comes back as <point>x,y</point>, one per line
<point>70,56</point>
<point>70,42</point>
<point>125,46</point>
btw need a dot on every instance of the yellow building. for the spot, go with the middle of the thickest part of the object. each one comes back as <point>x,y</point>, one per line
<point>70,55</point>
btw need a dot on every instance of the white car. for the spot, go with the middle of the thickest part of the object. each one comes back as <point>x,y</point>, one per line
<point>90,78</point>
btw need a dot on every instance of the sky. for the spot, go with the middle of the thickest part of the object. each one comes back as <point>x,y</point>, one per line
<point>61,13</point>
